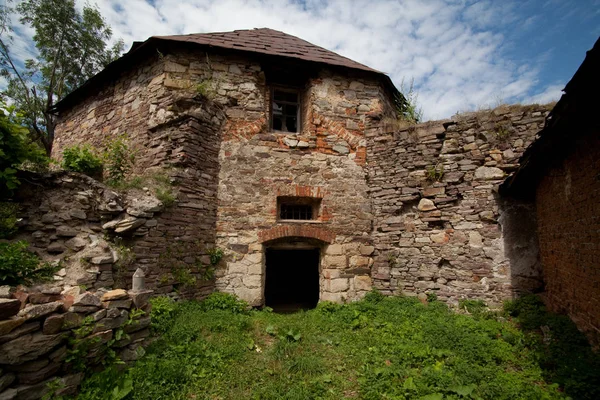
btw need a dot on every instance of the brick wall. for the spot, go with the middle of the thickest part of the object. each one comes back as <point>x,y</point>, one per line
<point>568,212</point>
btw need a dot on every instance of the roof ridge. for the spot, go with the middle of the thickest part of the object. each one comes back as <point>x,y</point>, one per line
<point>320,53</point>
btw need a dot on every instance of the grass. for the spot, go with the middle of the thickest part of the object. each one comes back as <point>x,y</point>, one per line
<point>379,348</point>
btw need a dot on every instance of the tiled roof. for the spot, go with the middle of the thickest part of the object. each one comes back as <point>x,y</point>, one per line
<point>269,41</point>
<point>261,41</point>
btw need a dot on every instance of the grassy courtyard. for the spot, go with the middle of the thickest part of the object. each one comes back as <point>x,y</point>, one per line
<point>379,348</point>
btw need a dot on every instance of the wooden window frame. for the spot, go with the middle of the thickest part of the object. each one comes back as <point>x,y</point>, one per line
<point>298,104</point>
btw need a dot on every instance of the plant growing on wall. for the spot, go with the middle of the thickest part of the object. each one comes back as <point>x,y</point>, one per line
<point>18,266</point>
<point>82,159</point>
<point>118,159</point>
<point>435,173</point>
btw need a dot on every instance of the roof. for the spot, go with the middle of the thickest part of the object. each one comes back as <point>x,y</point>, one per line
<point>258,41</point>
<point>573,116</point>
<point>269,41</point>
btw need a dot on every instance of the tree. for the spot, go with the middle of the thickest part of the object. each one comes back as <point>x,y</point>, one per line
<point>71,47</point>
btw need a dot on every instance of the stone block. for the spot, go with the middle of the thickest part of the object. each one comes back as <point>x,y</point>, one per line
<point>53,324</point>
<point>140,298</point>
<point>366,250</point>
<point>363,283</point>
<point>117,304</point>
<point>7,325</point>
<point>87,299</point>
<point>9,307</point>
<point>334,249</point>
<point>116,294</point>
<point>359,261</point>
<point>426,205</point>
<point>28,347</point>
<point>335,261</point>
<point>40,310</point>
<point>337,285</point>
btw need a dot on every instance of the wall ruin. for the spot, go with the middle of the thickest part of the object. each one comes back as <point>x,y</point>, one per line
<point>439,225</point>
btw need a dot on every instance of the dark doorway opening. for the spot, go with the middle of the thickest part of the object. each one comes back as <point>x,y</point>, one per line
<point>292,279</point>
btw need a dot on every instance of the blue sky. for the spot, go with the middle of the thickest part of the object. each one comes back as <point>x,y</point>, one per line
<point>462,54</point>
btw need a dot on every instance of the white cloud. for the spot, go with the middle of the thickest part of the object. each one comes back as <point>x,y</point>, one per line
<point>453,49</point>
<point>552,93</point>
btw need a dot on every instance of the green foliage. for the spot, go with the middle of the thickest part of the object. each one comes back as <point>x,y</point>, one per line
<point>82,159</point>
<point>163,310</point>
<point>378,348</point>
<point>435,173</point>
<point>8,219</point>
<point>502,132</point>
<point>184,260</point>
<point>16,148</point>
<point>126,258</point>
<point>71,44</point>
<point>215,254</point>
<point>166,196</point>
<point>224,301</point>
<point>18,266</point>
<point>407,105</point>
<point>118,159</point>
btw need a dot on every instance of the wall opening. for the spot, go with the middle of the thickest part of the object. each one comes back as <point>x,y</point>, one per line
<point>292,279</point>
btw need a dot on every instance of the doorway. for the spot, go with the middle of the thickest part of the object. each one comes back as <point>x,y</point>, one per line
<point>292,279</point>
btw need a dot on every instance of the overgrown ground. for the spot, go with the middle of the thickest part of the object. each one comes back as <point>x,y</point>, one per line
<point>379,348</point>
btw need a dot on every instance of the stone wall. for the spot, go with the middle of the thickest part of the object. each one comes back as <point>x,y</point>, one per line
<point>157,104</point>
<point>439,224</point>
<point>568,212</point>
<point>174,132</point>
<point>51,335</point>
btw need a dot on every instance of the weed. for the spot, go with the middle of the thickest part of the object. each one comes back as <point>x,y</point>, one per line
<point>19,266</point>
<point>8,219</point>
<point>83,159</point>
<point>118,159</point>
<point>166,196</point>
<point>435,173</point>
<point>502,132</point>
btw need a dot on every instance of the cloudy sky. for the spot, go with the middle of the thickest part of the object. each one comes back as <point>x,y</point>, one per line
<point>461,54</point>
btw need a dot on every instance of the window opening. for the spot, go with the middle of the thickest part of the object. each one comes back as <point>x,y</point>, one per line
<point>285,110</point>
<point>298,208</point>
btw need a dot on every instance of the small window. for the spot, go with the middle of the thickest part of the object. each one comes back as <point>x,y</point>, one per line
<point>296,211</point>
<point>285,110</point>
<point>298,208</point>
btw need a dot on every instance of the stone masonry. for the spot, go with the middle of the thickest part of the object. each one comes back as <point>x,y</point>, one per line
<point>404,209</point>
<point>439,225</point>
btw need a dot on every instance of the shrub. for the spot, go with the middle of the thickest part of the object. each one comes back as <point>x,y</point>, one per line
<point>8,219</point>
<point>18,266</point>
<point>82,159</point>
<point>16,148</point>
<point>163,311</point>
<point>118,159</point>
<point>224,301</point>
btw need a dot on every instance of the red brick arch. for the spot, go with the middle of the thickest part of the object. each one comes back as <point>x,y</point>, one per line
<point>305,231</point>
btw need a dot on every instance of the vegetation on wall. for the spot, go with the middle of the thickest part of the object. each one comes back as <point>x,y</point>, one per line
<point>82,159</point>
<point>19,266</point>
<point>378,348</point>
<point>119,158</point>
<point>16,149</point>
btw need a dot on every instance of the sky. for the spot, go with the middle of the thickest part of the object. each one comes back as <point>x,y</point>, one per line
<point>461,55</point>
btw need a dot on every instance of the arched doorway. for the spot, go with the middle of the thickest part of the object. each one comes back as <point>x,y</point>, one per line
<point>292,278</point>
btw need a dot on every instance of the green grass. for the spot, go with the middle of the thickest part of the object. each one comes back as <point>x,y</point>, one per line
<point>379,348</point>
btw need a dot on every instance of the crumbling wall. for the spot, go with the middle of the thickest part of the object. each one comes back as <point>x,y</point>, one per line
<point>174,131</point>
<point>568,212</point>
<point>48,337</point>
<point>439,224</point>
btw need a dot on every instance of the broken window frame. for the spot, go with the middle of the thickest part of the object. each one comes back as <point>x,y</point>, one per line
<point>297,103</point>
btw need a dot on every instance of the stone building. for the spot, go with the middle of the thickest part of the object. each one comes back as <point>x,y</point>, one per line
<point>290,158</point>
<point>266,137</point>
<point>561,172</point>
